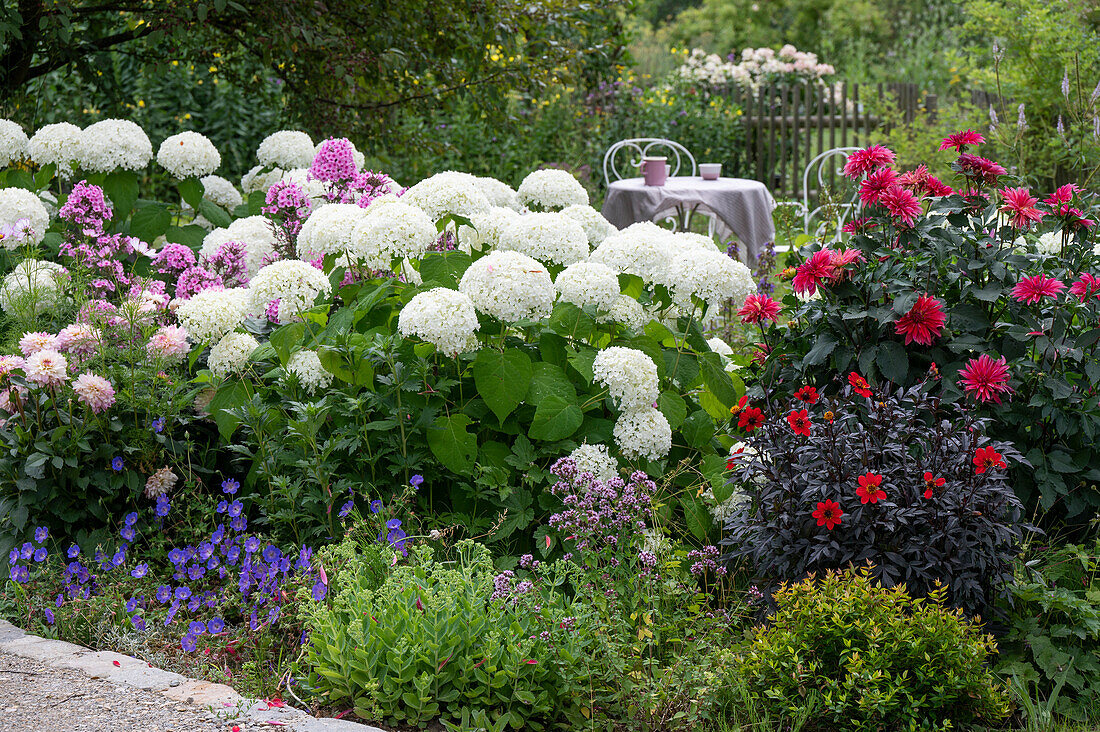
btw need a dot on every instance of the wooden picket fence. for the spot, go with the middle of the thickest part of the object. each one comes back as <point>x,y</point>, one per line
<point>787,126</point>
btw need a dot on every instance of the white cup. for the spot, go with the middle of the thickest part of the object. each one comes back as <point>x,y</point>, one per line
<point>710,171</point>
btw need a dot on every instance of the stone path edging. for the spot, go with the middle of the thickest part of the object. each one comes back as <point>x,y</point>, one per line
<point>129,671</point>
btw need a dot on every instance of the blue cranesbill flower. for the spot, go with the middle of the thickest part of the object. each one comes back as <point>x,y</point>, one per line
<point>346,509</point>
<point>140,571</point>
<point>138,622</point>
<point>40,554</point>
<point>163,506</point>
<point>164,594</point>
<point>222,506</point>
<point>118,558</point>
<point>127,533</point>
<point>271,553</point>
<point>130,519</point>
<point>182,593</point>
<point>132,604</point>
<point>235,509</point>
<point>73,552</point>
<point>375,506</point>
<point>19,574</point>
<point>239,524</point>
<point>187,643</point>
<point>319,591</point>
<point>27,550</point>
<point>230,486</point>
<point>41,534</point>
<point>117,464</point>
<point>416,481</point>
<point>251,544</point>
<point>13,556</point>
<point>215,626</point>
<point>197,627</point>
<point>49,615</point>
<point>177,556</point>
<point>158,425</point>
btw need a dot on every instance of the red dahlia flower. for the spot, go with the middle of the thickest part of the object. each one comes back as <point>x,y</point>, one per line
<point>757,308</point>
<point>812,272</point>
<point>799,420</point>
<point>937,188</point>
<point>864,161</point>
<point>901,204</point>
<point>1086,286</point>
<point>931,482</point>
<point>842,258</point>
<point>1019,204</point>
<point>750,419</point>
<point>859,384</point>
<point>855,226</point>
<point>980,169</point>
<point>1064,194</point>
<point>828,514</point>
<point>869,490</point>
<point>741,404</point>
<point>959,140</point>
<point>924,321</point>
<point>807,394</point>
<point>876,184</point>
<point>986,458</point>
<point>985,378</point>
<point>1033,289</point>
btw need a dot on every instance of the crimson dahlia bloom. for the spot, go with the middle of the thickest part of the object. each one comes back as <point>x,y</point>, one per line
<point>869,490</point>
<point>828,514</point>
<point>1063,194</point>
<point>812,272</point>
<point>875,185</point>
<point>855,226</point>
<point>859,384</point>
<point>986,458</point>
<point>861,162</point>
<point>901,204</point>
<point>980,169</point>
<point>759,308</point>
<point>1033,289</point>
<point>1086,286</point>
<point>931,483</point>
<point>799,420</point>
<point>959,140</point>
<point>750,419</point>
<point>985,379</point>
<point>1019,204</point>
<point>807,394</point>
<point>923,323</point>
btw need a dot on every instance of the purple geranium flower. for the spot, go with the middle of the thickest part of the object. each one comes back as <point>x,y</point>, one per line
<point>117,464</point>
<point>215,626</point>
<point>130,519</point>
<point>74,552</point>
<point>40,554</point>
<point>41,534</point>
<point>163,506</point>
<point>230,486</point>
<point>164,594</point>
<point>140,571</point>
<point>416,480</point>
<point>187,643</point>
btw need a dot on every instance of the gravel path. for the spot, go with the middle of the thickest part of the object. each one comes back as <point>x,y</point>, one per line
<point>47,699</point>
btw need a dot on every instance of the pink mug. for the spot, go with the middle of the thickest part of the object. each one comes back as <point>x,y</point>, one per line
<point>655,171</point>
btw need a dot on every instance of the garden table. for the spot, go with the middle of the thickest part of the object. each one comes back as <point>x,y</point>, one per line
<point>739,206</point>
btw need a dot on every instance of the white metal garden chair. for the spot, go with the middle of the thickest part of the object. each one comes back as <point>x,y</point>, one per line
<point>630,154</point>
<point>818,217</point>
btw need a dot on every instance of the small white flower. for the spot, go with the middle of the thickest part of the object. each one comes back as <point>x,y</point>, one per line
<point>32,288</point>
<point>257,179</point>
<point>306,366</point>
<point>644,433</point>
<point>13,142</point>
<point>711,276</point>
<point>596,227</point>
<point>210,314</point>
<point>393,231</point>
<point>329,230</point>
<point>295,284</point>
<point>595,459</point>
<point>548,237</point>
<point>589,283</point>
<point>255,232</point>
<point>499,194</point>
<point>1049,243</point>
<point>17,204</point>
<point>449,192</point>
<point>485,233</point>
<point>57,144</point>
<point>627,311</point>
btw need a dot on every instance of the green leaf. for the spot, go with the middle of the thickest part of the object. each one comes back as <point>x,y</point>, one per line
<point>121,187</point>
<point>697,517</point>
<point>548,380</point>
<point>215,214</point>
<point>893,361</point>
<point>230,396</point>
<point>555,419</point>
<point>582,362</point>
<point>341,364</point>
<point>191,190</point>
<point>698,429</point>
<point>150,221</point>
<point>717,379</point>
<point>189,236</point>
<point>502,379</point>
<point>285,338</point>
<point>823,346</point>
<point>451,444</point>
<point>45,174</point>
<point>570,321</point>
<point>445,268</point>
<point>673,406</point>
<point>256,202</point>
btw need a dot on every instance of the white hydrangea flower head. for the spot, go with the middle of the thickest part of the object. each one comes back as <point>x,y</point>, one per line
<point>449,192</point>
<point>626,311</point>
<point>231,353</point>
<point>1049,243</point>
<point>588,283</point>
<point>295,284</point>
<point>329,230</point>
<point>393,231</point>
<point>646,255</point>
<point>629,375</point>
<point>499,193</point>
<point>443,317</point>
<point>13,142</point>
<point>306,367</point>
<point>687,240</point>
<point>286,149</point>
<point>643,433</point>
<point>595,226</point>
<point>255,232</point>
<point>509,286</point>
<point>32,288</point>
<point>548,237</point>
<point>487,225</point>
<point>551,190</point>
<point>57,144</point>
<point>111,144</point>
<point>221,192</point>
<point>210,314</point>
<point>19,203</point>
<point>188,154</point>
<point>595,459</point>
<point>257,179</point>
<point>712,276</point>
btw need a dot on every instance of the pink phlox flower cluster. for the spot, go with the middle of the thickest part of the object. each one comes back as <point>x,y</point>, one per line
<point>369,186</point>
<point>288,206</point>
<point>194,280</point>
<point>94,392</point>
<point>87,208</point>
<point>100,258</point>
<point>601,514</point>
<point>172,259</point>
<point>229,264</point>
<point>334,162</point>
